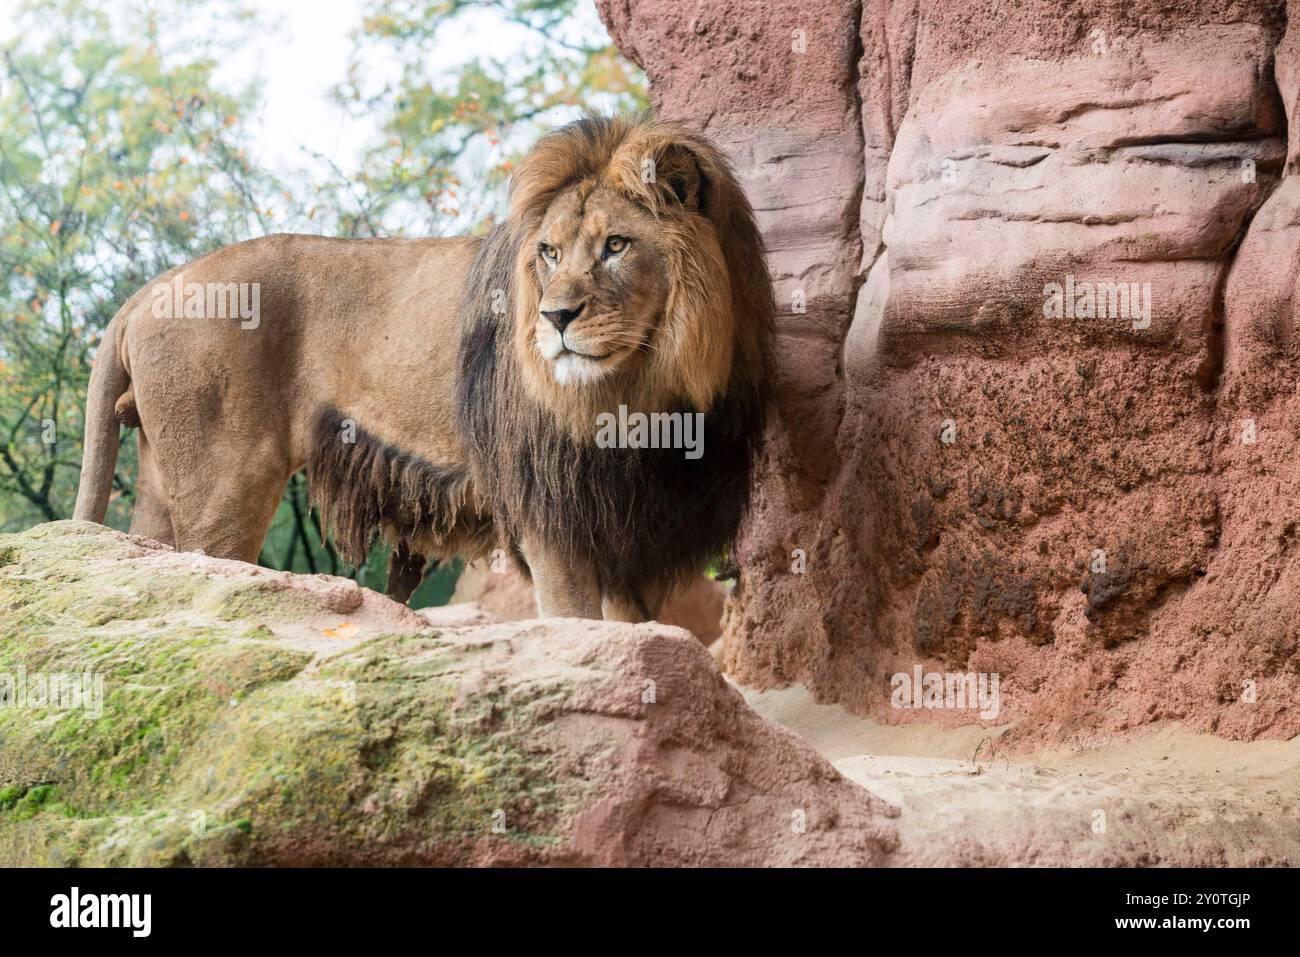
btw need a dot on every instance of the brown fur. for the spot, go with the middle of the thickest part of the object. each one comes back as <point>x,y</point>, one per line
<point>464,435</point>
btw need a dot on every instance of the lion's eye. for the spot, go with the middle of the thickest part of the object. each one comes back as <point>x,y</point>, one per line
<point>615,245</point>
<point>549,252</point>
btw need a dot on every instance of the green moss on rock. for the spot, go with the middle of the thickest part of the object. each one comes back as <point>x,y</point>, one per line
<point>209,748</point>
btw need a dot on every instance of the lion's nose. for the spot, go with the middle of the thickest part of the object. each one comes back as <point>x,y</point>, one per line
<point>560,318</point>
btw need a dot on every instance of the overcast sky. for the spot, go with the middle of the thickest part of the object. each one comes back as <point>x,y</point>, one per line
<point>306,52</point>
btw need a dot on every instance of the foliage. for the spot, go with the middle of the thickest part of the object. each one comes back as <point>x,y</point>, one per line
<point>450,140</point>
<point>117,161</point>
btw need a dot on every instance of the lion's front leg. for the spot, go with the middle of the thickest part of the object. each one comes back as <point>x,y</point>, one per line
<point>634,608</point>
<point>564,589</point>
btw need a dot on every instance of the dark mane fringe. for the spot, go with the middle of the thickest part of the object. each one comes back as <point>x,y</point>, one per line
<point>369,488</point>
<point>642,517</point>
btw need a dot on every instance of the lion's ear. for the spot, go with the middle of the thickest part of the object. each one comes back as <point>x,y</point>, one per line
<point>678,169</point>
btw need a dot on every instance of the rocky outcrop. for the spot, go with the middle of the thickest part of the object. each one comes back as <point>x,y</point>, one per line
<point>1036,413</point>
<point>159,708</point>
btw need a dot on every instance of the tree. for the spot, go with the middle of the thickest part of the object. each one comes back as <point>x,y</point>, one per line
<point>118,159</point>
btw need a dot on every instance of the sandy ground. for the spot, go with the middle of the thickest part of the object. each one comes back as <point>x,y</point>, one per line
<point>1167,797</point>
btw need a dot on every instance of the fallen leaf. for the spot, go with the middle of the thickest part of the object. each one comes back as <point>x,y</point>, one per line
<point>345,630</point>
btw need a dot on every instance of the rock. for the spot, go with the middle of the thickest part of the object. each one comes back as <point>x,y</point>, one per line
<point>259,718</point>
<point>505,593</point>
<point>508,594</point>
<point>698,609</point>
<point>957,475</point>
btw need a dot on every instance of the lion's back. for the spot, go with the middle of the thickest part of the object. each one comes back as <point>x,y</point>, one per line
<point>305,321</point>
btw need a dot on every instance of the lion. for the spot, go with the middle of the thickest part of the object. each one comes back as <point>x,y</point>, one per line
<point>448,395</point>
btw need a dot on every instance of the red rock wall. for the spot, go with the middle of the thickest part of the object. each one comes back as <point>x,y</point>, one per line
<point>1100,510</point>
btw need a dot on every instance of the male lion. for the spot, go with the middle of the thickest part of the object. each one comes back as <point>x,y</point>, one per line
<point>445,393</point>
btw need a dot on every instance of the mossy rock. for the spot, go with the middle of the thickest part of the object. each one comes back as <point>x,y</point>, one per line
<point>232,720</point>
<point>214,742</point>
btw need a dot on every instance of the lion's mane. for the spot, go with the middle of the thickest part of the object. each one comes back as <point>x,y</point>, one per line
<point>643,517</point>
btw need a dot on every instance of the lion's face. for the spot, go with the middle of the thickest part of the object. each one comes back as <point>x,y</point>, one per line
<point>603,279</point>
<point>635,270</point>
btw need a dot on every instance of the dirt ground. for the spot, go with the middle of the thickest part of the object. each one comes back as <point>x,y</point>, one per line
<point>1166,797</point>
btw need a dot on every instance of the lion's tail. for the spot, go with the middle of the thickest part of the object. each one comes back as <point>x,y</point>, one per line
<point>109,383</point>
